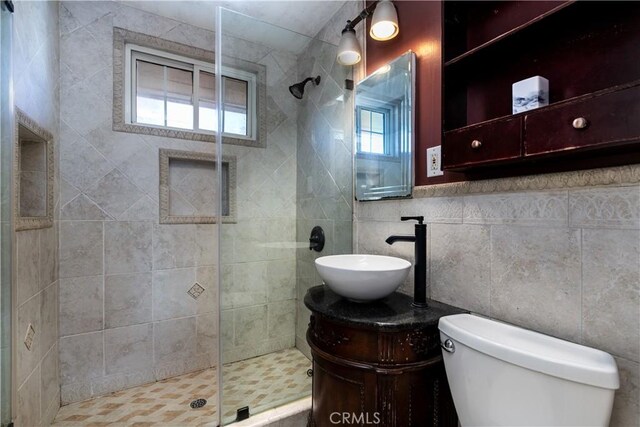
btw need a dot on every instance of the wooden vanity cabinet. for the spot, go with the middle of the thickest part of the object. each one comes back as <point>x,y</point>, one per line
<point>388,375</point>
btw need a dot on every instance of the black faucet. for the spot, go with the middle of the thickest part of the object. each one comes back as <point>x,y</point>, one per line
<point>420,267</point>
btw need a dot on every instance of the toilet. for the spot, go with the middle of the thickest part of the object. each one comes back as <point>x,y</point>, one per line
<point>502,375</point>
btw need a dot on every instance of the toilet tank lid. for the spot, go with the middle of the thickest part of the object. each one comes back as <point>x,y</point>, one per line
<point>533,350</point>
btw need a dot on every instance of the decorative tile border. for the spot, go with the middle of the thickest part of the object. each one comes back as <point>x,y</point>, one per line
<point>31,223</point>
<point>620,175</point>
<point>165,190</point>
<point>121,37</point>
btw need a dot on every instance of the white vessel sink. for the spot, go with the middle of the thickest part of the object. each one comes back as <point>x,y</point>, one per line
<point>362,278</point>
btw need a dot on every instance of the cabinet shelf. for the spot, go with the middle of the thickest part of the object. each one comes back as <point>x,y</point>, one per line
<point>516,30</point>
<point>546,107</point>
<point>587,50</point>
<point>549,131</point>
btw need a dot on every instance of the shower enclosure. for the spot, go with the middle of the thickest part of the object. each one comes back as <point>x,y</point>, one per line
<point>168,285</point>
<point>293,176</point>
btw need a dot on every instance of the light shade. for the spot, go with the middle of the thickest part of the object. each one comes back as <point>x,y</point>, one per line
<point>349,52</point>
<point>384,24</point>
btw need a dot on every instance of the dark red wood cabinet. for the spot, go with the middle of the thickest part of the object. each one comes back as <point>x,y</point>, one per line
<point>377,378</point>
<point>378,363</point>
<point>588,50</point>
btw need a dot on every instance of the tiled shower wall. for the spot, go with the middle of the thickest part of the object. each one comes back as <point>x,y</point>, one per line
<point>565,262</point>
<point>258,252</point>
<point>36,90</point>
<point>324,174</point>
<point>125,315</point>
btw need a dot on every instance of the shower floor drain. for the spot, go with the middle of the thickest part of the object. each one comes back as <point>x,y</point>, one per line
<point>198,403</point>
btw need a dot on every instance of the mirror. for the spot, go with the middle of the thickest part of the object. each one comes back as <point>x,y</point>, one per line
<point>33,175</point>
<point>384,136</point>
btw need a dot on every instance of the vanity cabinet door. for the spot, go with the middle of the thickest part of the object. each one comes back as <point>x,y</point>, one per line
<point>342,395</point>
<point>485,144</point>
<point>604,120</point>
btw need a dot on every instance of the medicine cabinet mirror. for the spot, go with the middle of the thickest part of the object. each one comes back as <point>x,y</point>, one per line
<point>384,131</point>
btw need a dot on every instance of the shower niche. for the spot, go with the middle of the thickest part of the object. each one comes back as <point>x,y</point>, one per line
<point>33,174</point>
<point>187,190</point>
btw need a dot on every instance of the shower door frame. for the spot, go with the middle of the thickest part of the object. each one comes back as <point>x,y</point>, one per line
<point>7,373</point>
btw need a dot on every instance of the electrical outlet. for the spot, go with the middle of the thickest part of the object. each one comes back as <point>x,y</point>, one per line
<point>434,161</point>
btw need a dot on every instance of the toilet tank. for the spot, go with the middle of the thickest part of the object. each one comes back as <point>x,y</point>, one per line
<point>503,375</point>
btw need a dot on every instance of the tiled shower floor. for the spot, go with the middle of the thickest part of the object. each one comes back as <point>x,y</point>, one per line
<point>260,383</point>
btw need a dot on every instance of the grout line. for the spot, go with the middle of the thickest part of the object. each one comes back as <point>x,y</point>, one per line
<point>104,321</point>
<point>581,260</point>
<point>490,314</point>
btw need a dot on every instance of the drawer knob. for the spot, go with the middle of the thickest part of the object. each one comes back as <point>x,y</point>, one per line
<point>580,123</point>
<point>475,144</point>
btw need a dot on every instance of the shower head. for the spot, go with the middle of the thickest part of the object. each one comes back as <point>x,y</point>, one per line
<point>297,89</point>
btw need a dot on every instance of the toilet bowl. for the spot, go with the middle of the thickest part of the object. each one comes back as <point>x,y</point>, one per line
<point>502,375</point>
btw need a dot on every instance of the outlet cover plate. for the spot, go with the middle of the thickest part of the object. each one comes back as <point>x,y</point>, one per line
<point>434,161</point>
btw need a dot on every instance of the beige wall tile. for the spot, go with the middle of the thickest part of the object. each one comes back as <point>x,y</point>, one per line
<point>28,266</point>
<point>611,291</point>
<point>49,307</point>
<point>127,247</point>
<point>207,277</point>
<point>81,358</point>
<point>170,297</point>
<point>28,405</point>
<point>127,299</point>
<point>128,349</point>
<point>460,266</point>
<point>81,305</point>
<point>207,334</point>
<point>173,246</point>
<point>50,385</point>
<point>27,360</point>
<point>174,340</point>
<point>48,256</point>
<point>535,279</point>
<point>535,209</point>
<point>616,207</point>
<point>250,324</point>
<point>114,193</point>
<point>81,246</point>
<point>281,318</point>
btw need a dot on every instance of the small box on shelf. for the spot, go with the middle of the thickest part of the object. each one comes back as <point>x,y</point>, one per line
<point>530,93</point>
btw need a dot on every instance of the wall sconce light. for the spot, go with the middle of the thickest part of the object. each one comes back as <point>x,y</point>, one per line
<point>384,26</point>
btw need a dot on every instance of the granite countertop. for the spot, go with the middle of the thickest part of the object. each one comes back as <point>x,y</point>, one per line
<point>394,312</point>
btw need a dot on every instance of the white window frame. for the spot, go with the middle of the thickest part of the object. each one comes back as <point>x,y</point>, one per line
<point>135,52</point>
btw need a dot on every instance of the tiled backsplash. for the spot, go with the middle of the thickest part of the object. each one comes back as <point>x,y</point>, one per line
<point>565,262</point>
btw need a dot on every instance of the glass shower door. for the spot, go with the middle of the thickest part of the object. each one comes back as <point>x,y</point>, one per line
<point>286,136</point>
<point>6,159</point>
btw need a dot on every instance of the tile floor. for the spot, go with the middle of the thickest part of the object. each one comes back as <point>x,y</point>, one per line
<point>261,383</point>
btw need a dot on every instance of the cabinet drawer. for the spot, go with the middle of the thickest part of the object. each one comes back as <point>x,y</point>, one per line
<point>484,144</point>
<point>611,119</point>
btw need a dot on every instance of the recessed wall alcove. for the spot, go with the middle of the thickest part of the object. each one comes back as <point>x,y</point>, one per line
<point>188,188</point>
<point>33,174</point>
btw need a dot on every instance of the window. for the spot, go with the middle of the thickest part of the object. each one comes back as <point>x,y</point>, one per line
<point>373,130</point>
<point>174,92</point>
